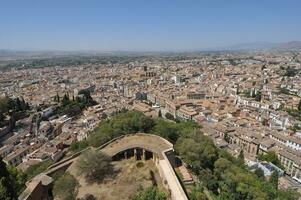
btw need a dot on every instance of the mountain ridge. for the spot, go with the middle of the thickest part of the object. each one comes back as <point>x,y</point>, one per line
<point>261,45</point>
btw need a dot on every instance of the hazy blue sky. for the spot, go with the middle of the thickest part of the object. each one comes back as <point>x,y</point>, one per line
<point>145,24</point>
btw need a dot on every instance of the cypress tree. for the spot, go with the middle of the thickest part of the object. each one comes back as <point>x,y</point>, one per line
<point>23,104</point>
<point>274,179</point>
<point>18,104</point>
<point>6,188</point>
<point>27,106</point>
<point>159,113</point>
<point>241,158</point>
<point>58,97</point>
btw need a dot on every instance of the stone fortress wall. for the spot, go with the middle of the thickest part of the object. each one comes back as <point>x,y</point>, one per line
<point>142,146</point>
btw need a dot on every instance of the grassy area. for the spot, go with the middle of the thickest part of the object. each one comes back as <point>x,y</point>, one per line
<point>130,177</point>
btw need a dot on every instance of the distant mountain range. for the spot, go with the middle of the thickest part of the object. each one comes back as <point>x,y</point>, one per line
<point>25,54</point>
<point>293,45</point>
<point>296,45</point>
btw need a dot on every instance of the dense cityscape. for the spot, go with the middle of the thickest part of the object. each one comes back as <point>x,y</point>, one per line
<point>248,104</point>
<point>150,100</point>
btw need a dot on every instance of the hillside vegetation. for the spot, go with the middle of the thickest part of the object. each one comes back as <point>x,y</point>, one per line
<point>218,173</point>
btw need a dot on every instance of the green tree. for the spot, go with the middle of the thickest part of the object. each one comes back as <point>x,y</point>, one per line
<point>65,188</point>
<point>159,113</point>
<point>2,117</point>
<point>23,104</point>
<point>57,97</point>
<point>209,180</point>
<point>241,158</point>
<point>197,193</point>
<point>94,166</point>
<point>104,115</point>
<point>259,173</point>
<point>12,182</point>
<point>166,129</point>
<point>27,106</point>
<point>151,193</point>
<point>4,105</point>
<point>18,104</point>
<point>220,166</point>
<point>6,188</point>
<point>65,100</point>
<point>274,179</point>
<point>290,72</point>
<point>299,105</point>
<point>169,116</point>
<point>18,179</point>
<point>78,145</point>
<point>227,138</point>
<point>120,124</point>
<point>272,157</point>
<point>197,150</point>
<point>258,96</point>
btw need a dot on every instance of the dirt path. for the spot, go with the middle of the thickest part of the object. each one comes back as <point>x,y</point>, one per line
<point>126,182</point>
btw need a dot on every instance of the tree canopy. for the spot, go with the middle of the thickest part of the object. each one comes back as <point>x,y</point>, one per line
<point>258,96</point>
<point>16,104</point>
<point>274,179</point>
<point>12,182</point>
<point>94,165</point>
<point>151,193</point>
<point>65,188</point>
<point>259,173</point>
<point>272,157</point>
<point>222,175</point>
<point>120,124</point>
